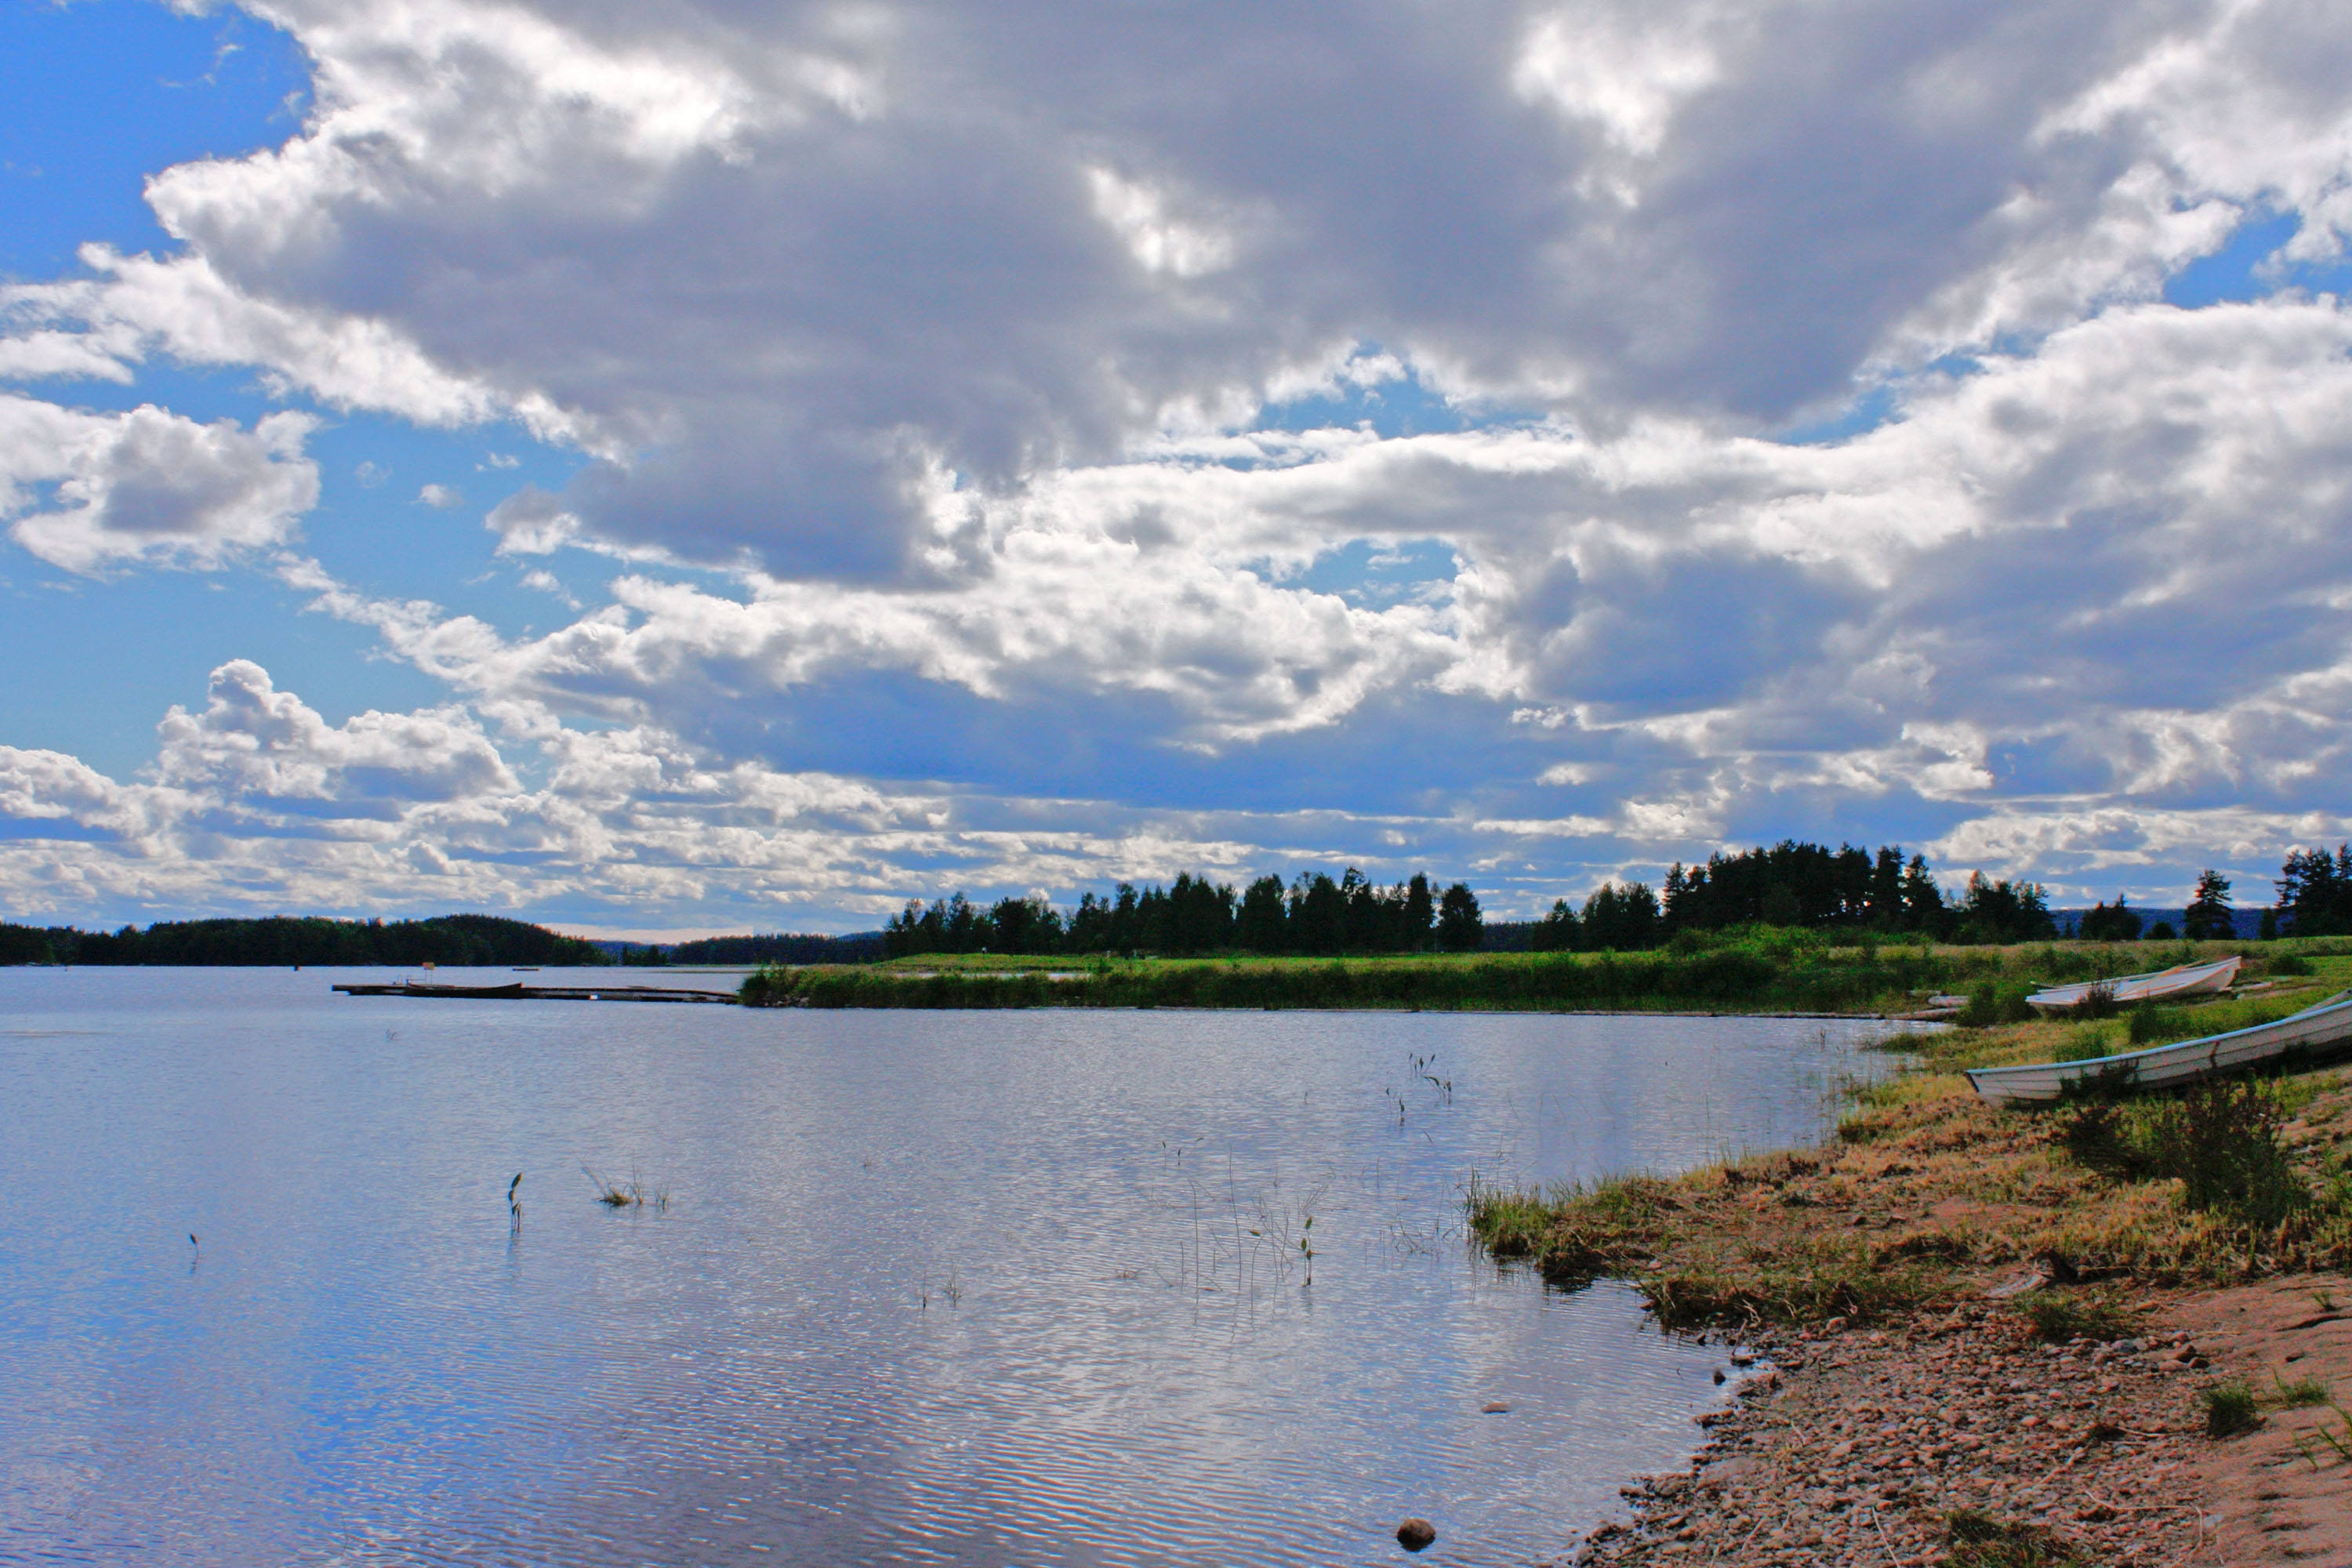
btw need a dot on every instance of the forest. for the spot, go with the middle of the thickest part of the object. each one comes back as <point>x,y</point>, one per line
<point>455,939</point>
<point>1313,914</point>
<point>2314,892</point>
<point>1790,884</point>
<point>1806,885</point>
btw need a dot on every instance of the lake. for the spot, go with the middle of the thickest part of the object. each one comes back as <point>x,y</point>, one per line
<point>909,1287</point>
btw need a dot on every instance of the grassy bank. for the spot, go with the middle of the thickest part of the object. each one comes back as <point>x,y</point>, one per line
<point>1927,1190</point>
<point>1760,971</point>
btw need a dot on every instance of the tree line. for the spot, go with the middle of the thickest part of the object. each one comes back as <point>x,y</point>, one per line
<point>456,939</point>
<point>1847,890</point>
<point>1808,886</point>
<point>1312,914</point>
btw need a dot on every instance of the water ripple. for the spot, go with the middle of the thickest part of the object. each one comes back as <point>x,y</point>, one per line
<point>972,1288</point>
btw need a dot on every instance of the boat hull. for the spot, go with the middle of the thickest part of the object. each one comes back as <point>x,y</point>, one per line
<point>2158,985</point>
<point>2325,1027</point>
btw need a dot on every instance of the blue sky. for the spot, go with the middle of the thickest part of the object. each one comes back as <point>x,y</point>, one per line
<point>709,470</point>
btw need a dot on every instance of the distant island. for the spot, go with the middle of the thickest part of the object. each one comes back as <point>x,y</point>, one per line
<point>455,939</point>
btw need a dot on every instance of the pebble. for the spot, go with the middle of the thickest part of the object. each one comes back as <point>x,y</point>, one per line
<point>1858,1462</point>
<point>1416,1534</point>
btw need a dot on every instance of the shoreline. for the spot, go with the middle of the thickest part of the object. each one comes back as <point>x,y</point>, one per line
<point>1772,973</point>
<point>1957,1437</point>
<point>1975,1340</point>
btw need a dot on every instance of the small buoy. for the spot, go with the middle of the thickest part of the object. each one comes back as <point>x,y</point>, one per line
<point>1416,1534</point>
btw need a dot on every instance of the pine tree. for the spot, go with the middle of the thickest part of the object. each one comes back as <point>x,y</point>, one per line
<point>2207,917</point>
<point>1261,926</point>
<point>1460,927</point>
<point>1557,931</point>
<point>1420,913</point>
<point>2106,924</point>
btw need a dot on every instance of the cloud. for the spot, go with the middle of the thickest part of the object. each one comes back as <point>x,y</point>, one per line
<point>914,350</point>
<point>90,491</point>
<point>440,497</point>
<point>257,748</point>
<point>774,272</point>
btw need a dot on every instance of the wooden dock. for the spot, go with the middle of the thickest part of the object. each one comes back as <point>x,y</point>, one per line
<point>518,991</point>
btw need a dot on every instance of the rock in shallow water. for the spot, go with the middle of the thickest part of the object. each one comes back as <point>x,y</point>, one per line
<point>1416,1534</point>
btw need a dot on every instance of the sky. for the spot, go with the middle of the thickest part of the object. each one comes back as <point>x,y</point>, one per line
<point>719,466</point>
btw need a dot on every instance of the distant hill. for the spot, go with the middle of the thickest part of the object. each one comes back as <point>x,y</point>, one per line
<point>857,947</point>
<point>2247,925</point>
<point>455,939</point>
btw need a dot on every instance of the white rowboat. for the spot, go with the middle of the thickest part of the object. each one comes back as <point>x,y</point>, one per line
<point>2125,990</point>
<point>2315,1029</point>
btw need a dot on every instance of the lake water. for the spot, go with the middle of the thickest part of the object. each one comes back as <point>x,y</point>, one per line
<point>983,1289</point>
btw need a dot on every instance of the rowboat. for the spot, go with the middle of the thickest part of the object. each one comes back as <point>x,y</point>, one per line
<point>2315,1029</point>
<point>2158,985</point>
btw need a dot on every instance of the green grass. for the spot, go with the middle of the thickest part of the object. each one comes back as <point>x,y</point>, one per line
<point>2303,1393</point>
<point>1750,971</point>
<point>2059,1316</point>
<point>2231,1409</point>
<point>1978,1540</point>
<point>1811,1285</point>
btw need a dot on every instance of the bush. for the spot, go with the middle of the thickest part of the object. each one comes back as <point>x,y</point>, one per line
<point>2221,1138</point>
<point>2288,965</point>
<point>2098,1002</point>
<point>2231,1409</point>
<point>1994,1002</point>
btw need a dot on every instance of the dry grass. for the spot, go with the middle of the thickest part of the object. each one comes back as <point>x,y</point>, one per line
<point>1926,1186</point>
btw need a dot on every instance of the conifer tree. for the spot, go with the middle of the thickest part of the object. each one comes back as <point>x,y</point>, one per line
<point>1460,927</point>
<point>2207,917</point>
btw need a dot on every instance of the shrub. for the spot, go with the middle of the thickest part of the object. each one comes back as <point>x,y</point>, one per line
<point>2098,1002</point>
<point>2231,1409</point>
<point>2221,1138</point>
<point>1993,1002</point>
<point>2288,963</point>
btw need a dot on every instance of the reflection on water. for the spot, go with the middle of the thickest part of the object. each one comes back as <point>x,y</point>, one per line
<point>1022,1288</point>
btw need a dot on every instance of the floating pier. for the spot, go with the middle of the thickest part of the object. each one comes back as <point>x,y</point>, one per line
<point>518,991</point>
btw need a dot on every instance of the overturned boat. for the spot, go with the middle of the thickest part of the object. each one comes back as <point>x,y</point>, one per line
<point>2158,985</point>
<point>2318,1028</point>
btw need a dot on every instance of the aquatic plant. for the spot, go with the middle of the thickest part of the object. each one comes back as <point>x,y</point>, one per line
<point>616,1196</point>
